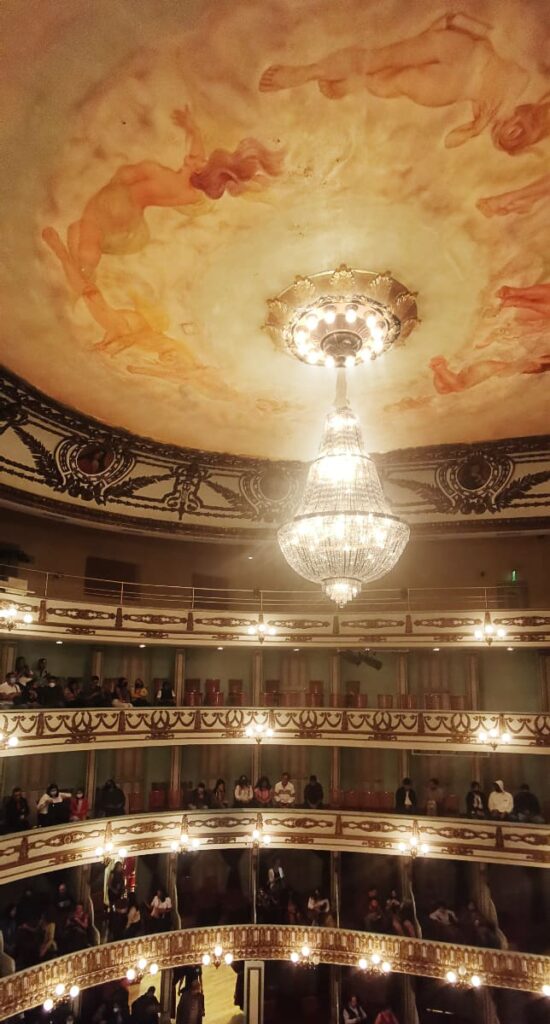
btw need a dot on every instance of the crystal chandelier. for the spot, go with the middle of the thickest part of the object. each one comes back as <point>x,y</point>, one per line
<point>344,533</point>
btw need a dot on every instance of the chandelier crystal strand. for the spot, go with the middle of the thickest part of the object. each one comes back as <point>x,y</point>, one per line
<point>343,533</point>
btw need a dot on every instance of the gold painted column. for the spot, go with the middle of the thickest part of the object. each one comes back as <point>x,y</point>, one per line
<point>254,971</point>
<point>409,1007</point>
<point>179,676</point>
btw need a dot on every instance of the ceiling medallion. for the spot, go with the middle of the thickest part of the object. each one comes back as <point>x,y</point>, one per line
<point>343,317</point>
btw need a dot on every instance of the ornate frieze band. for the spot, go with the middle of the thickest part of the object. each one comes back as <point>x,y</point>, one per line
<point>105,623</point>
<point>57,460</point>
<point>40,731</point>
<point>100,964</point>
<point>24,854</point>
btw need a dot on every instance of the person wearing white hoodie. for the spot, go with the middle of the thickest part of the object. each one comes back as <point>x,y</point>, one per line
<point>501,802</point>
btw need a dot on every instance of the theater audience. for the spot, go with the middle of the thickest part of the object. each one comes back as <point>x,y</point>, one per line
<point>112,800</point>
<point>10,690</point>
<point>71,693</point>
<point>446,923</point>
<point>527,806</point>
<point>160,910</point>
<point>398,916</point>
<point>140,695</point>
<point>165,696</point>
<point>476,802</point>
<point>146,1008</point>
<point>313,794</point>
<point>263,793</point>
<point>243,794</point>
<point>122,697</point>
<point>405,798</point>
<point>17,811</point>
<point>79,806</point>
<point>318,907</point>
<point>51,808</point>
<point>284,794</point>
<point>50,694</point>
<point>501,802</point>
<point>353,1011</point>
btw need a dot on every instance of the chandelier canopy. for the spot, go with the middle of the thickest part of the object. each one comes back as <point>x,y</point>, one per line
<point>344,533</point>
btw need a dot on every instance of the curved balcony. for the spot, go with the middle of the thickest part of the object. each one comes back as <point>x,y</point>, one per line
<point>450,731</point>
<point>100,964</point>
<point>24,854</point>
<point>111,611</point>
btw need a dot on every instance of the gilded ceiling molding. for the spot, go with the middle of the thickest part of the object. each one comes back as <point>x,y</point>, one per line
<point>100,964</point>
<point>25,854</point>
<point>62,463</point>
<point>453,731</point>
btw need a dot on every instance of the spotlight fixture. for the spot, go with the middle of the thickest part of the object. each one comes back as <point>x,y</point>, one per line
<point>460,978</point>
<point>258,731</point>
<point>11,616</point>
<point>217,957</point>
<point>374,964</point>
<point>306,957</point>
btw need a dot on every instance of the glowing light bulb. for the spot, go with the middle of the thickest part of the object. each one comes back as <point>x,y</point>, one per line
<point>108,847</point>
<point>378,344</point>
<point>489,629</point>
<point>501,633</point>
<point>312,321</point>
<point>375,959</point>
<point>271,631</point>
<point>493,732</point>
<point>402,847</point>
<point>206,959</point>
<point>330,362</point>
<point>546,990</point>
<point>195,843</point>
<point>266,840</point>
<point>451,977</point>
<point>154,969</point>
<point>424,848</point>
<point>362,963</point>
<point>350,314</point>
<point>329,315</point>
<point>59,989</point>
<point>13,741</point>
<point>269,733</point>
<point>74,991</point>
<point>294,957</point>
<point>131,974</point>
<point>228,958</point>
<point>312,357</point>
<point>251,630</point>
<point>142,963</point>
<point>506,738</point>
<point>123,853</point>
<point>262,627</point>
<point>349,362</point>
<point>414,842</point>
<point>218,950</point>
<point>48,1005</point>
<point>99,851</point>
<point>248,731</point>
<point>12,611</point>
<point>174,845</point>
<point>478,634</point>
<point>301,334</point>
<point>27,618</point>
<point>256,833</point>
<point>475,981</point>
<point>305,951</point>
<point>386,967</point>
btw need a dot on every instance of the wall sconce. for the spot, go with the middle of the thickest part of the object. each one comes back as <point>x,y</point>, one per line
<point>109,851</point>
<point>261,630</point>
<point>61,995</point>
<point>258,836</point>
<point>258,731</point>
<point>546,990</point>
<point>12,616</point>
<point>413,845</point>
<point>493,737</point>
<point>374,964</point>
<point>306,957</point>
<point>185,841</point>
<point>8,742</point>
<point>460,978</point>
<point>217,957</point>
<point>488,632</point>
<point>137,973</point>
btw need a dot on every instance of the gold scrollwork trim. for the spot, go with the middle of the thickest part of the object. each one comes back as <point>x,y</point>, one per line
<point>100,964</point>
<point>23,855</point>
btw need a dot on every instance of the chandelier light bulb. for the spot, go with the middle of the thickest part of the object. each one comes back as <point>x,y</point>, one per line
<point>330,362</point>
<point>154,969</point>
<point>506,738</point>
<point>305,951</point>
<point>13,741</point>
<point>123,853</point>
<point>424,848</point>
<point>362,963</point>
<point>256,833</point>
<point>489,629</point>
<point>142,963</point>
<point>378,344</point>
<point>48,1005</point>
<point>74,991</point>
<point>59,989</point>
<point>218,950</point>
<point>546,990</point>
<point>351,314</point>
<point>206,959</point>
<point>475,981</point>
<point>501,633</point>
<point>312,321</point>
<point>386,967</point>
<point>329,315</point>
<point>228,958</point>
<point>451,977</point>
<point>312,357</point>
<point>294,957</point>
<point>27,618</point>
<point>478,634</point>
<point>131,974</point>
<point>375,959</point>
<point>301,334</point>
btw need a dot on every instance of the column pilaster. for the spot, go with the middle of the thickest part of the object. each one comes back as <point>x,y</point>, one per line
<point>257,678</point>
<point>179,676</point>
<point>254,971</point>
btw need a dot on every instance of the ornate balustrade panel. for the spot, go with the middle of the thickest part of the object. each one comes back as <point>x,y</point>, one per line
<point>357,626</point>
<point>498,968</point>
<point>24,854</point>
<point>40,731</point>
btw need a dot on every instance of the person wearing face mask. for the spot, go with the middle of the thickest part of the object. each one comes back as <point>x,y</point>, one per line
<point>51,694</point>
<point>10,690</point>
<point>113,800</point>
<point>50,807</point>
<point>79,806</point>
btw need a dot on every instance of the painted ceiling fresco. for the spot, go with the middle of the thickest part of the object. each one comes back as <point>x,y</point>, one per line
<point>169,165</point>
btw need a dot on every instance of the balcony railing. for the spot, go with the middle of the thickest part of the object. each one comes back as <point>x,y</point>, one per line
<point>55,585</point>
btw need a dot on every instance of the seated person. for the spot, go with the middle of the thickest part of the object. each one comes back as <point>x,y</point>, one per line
<point>165,696</point>
<point>17,811</point>
<point>527,806</point>
<point>447,922</point>
<point>71,692</point>
<point>284,794</point>
<point>219,797</point>
<point>160,909</point>
<point>405,798</point>
<point>313,794</point>
<point>399,918</point>
<point>140,694</point>
<point>275,877</point>
<point>353,1011</point>
<point>122,697</point>
<point>317,908</point>
<point>133,918</point>
<point>243,794</point>
<point>50,694</point>
<point>112,800</point>
<point>374,918</point>
<point>476,802</point>
<point>10,690</point>
<point>263,793</point>
<point>200,798</point>
<point>501,802</point>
